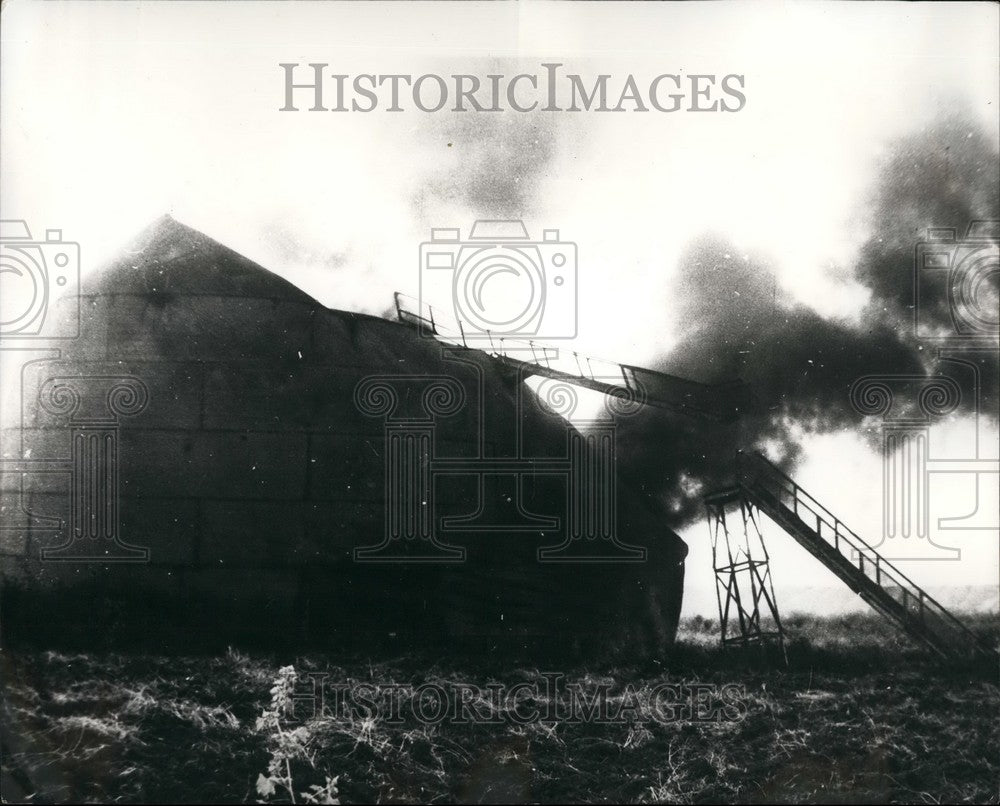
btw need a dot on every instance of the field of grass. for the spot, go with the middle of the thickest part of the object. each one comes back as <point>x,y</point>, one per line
<point>857,715</point>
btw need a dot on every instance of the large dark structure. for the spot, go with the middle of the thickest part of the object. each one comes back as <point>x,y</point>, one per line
<point>218,458</point>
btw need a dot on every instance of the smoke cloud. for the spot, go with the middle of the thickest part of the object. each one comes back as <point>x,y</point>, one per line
<point>800,365</point>
<point>487,165</point>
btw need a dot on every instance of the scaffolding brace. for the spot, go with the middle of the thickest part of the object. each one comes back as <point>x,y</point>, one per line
<point>743,585</point>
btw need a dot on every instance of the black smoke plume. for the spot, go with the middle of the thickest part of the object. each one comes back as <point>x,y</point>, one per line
<point>801,366</point>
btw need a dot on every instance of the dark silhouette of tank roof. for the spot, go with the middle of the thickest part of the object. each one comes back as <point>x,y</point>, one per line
<point>169,257</point>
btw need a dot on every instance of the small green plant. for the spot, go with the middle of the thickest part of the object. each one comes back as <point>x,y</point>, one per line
<point>288,745</point>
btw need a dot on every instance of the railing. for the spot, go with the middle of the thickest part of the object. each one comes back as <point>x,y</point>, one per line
<point>641,385</point>
<point>755,471</point>
<point>451,331</point>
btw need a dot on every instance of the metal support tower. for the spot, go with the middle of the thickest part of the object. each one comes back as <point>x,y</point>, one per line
<point>742,573</point>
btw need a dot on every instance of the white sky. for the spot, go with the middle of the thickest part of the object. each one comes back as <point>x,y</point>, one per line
<point>114,113</point>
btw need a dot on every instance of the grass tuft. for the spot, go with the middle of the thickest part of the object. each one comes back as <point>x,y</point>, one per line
<point>857,715</point>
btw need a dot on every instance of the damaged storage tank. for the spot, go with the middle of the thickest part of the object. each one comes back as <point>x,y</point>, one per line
<point>219,458</point>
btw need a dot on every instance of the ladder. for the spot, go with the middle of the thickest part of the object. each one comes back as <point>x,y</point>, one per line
<point>852,560</point>
<point>856,563</point>
<point>635,385</point>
